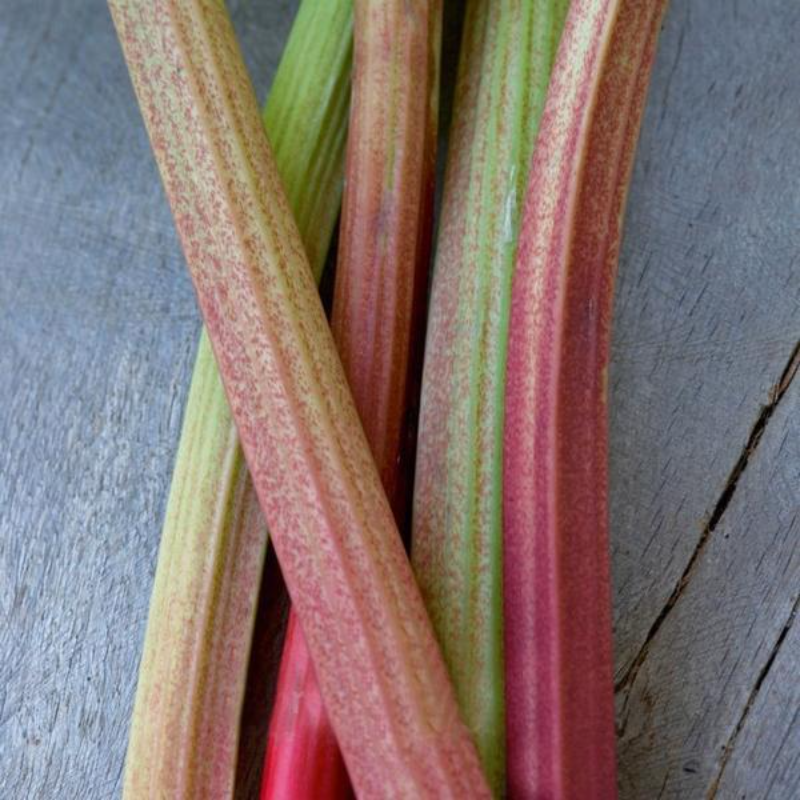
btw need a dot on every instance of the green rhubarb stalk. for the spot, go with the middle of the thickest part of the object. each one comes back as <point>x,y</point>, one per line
<point>381,674</point>
<point>507,52</point>
<point>185,726</point>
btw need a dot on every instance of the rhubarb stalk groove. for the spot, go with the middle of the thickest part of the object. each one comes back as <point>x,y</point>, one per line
<point>506,54</point>
<point>184,730</point>
<point>557,595</point>
<point>381,276</point>
<point>381,674</point>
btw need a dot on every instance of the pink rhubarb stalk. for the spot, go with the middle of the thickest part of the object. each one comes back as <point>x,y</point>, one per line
<point>557,595</point>
<point>378,307</point>
<point>387,221</point>
<point>382,677</point>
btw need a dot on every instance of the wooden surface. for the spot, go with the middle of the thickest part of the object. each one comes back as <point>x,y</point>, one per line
<point>98,328</point>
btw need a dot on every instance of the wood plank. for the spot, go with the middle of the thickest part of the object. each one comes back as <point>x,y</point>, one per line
<point>764,757</point>
<point>708,304</point>
<point>707,316</point>
<point>679,717</point>
<point>98,327</point>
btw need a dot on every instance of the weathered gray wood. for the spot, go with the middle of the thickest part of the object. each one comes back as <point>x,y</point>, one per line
<point>98,328</point>
<point>763,761</point>
<point>97,333</point>
<point>678,718</point>
<point>707,318</point>
<point>708,303</point>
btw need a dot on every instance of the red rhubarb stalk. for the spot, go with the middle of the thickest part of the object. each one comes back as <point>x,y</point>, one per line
<point>556,595</point>
<point>380,288</point>
<point>303,758</point>
<point>382,677</point>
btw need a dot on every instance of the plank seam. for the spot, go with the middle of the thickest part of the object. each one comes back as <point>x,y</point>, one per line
<point>776,394</point>
<point>753,696</point>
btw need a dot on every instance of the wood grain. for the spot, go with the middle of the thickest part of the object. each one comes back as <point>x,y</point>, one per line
<point>708,298</point>
<point>707,663</point>
<point>707,322</point>
<point>98,327</point>
<point>762,760</point>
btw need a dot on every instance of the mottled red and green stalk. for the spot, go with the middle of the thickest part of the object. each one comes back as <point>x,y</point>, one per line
<point>378,309</point>
<point>185,726</point>
<point>382,677</point>
<point>507,50</point>
<point>557,595</point>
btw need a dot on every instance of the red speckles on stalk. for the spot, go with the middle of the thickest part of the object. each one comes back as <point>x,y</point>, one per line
<point>194,662</point>
<point>381,675</point>
<point>384,248</point>
<point>556,572</point>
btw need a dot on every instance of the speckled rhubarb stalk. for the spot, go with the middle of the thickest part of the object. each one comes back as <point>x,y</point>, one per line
<point>557,596</point>
<point>507,50</point>
<point>382,677</point>
<point>185,726</point>
<point>387,221</point>
<point>381,282</point>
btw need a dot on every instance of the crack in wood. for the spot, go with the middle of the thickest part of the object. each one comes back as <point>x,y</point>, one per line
<point>727,751</point>
<point>776,394</point>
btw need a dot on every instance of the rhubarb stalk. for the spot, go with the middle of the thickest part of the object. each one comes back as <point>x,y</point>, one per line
<point>185,724</point>
<point>387,221</point>
<point>557,596</point>
<point>381,280</point>
<point>507,50</point>
<point>381,674</point>
<point>378,302</point>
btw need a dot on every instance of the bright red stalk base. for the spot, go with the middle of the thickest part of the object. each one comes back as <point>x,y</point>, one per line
<point>309,763</point>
